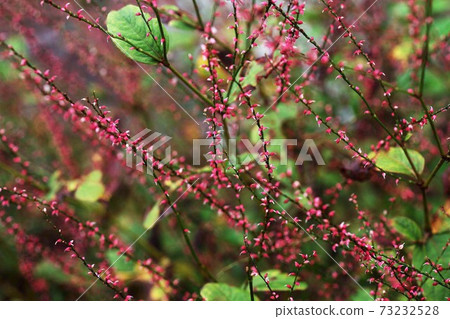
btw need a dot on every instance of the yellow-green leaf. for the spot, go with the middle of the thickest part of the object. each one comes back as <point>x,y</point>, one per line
<point>407,227</point>
<point>395,161</point>
<point>152,216</point>
<point>278,281</point>
<point>223,292</point>
<point>89,191</point>
<point>54,185</point>
<point>250,78</point>
<point>94,176</point>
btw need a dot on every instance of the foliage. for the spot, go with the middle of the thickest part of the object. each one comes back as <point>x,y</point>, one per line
<point>84,200</point>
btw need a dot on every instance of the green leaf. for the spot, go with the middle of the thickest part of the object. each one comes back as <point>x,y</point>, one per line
<point>50,271</point>
<point>436,293</point>
<point>180,24</point>
<point>277,281</point>
<point>120,264</point>
<point>434,83</point>
<point>179,19</point>
<point>167,8</point>
<point>54,185</point>
<point>94,176</point>
<point>276,119</point>
<point>408,228</point>
<point>361,295</point>
<point>252,74</point>
<point>7,72</point>
<point>408,136</point>
<point>135,29</point>
<point>250,78</point>
<point>152,216</point>
<point>91,188</point>
<point>395,161</point>
<point>90,191</point>
<point>433,249</point>
<point>223,292</point>
<point>72,185</point>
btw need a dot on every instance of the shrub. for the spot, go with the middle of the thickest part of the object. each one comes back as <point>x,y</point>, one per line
<point>276,89</point>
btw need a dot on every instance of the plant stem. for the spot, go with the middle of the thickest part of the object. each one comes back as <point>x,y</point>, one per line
<point>191,248</point>
<point>425,48</point>
<point>197,12</point>
<point>426,211</point>
<point>226,131</point>
<point>161,30</point>
<point>189,84</point>
<point>15,173</point>
<point>433,127</point>
<point>434,172</point>
<point>183,230</point>
<point>201,96</point>
<point>250,282</point>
